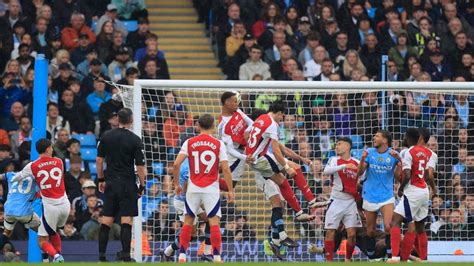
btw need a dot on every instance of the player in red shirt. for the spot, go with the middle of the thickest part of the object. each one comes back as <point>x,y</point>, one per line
<point>48,172</point>
<point>205,154</point>
<point>418,164</point>
<point>271,164</point>
<point>342,206</point>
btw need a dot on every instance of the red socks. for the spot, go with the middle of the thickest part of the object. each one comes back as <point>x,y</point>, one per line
<point>301,183</point>
<point>422,245</point>
<point>395,238</point>
<point>184,238</point>
<point>48,248</point>
<point>216,239</point>
<point>289,196</point>
<point>56,241</point>
<point>329,250</point>
<point>349,250</point>
<point>407,245</point>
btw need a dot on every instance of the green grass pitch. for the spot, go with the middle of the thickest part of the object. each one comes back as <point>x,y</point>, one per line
<point>253,263</point>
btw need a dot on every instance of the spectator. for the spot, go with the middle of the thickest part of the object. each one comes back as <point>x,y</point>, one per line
<point>90,230</point>
<point>342,115</point>
<point>70,34</point>
<point>280,26</point>
<point>455,229</point>
<point>420,37</point>
<point>84,68</point>
<point>461,47</point>
<point>64,9</point>
<point>60,149</point>
<point>131,10</point>
<point>243,231</point>
<point>174,125</point>
<point>151,40</point>
<point>24,134</point>
<point>464,109</point>
<point>108,112</point>
<point>327,68</point>
<point>4,137</point>
<point>130,75</point>
<point>358,35</point>
<point>12,91</point>
<point>64,78</point>
<point>54,45</point>
<point>108,55</point>
<point>460,166</point>
<point>161,64</point>
<point>254,65</point>
<point>389,38</point>
<point>11,123</point>
<point>467,177</point>
<point>438,68</point>
<point>136,39</point>
<point>312,41</point>
<point>62,57</point>
<point>223,28</point>
<point>447,31</point>
<point>236,38</point>
<point>338,51</point>
<point>301,33</point>
<point>25,59</point>
<point>84,214</point>
<point>441,218</point>
<point>161,223</point>
<point>79,114</point>
<point>98,96</point>
<point>416,71</point>
<point>70,232</point>
<point>111,15</point>
<point>151,200</point>
<point>312,68</point>
<point>351,63</point>
<point>279,69</point>
<point>349,21</point>
<point>80,204</point>
<point>97,71</point>
<point>153,69</point>
<point>273,54</point>
<point>392,72</point>
<point>79,54</point>
<point>269,12</point>
<point>367,116</point>
<point>433,110</point>
<point>55,122</point>
<point>120,64</point>
<point>105,39</point>
<point>41,35</point>
<point>401,51</point>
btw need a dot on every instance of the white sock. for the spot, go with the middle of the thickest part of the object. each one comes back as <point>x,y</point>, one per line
<point>207,249</point>
<point>217,258</point>
<point>276,242</point>
<point>169,251</point>
<point>313,201</point>
<point>283,235</point>
<point>299,213</point>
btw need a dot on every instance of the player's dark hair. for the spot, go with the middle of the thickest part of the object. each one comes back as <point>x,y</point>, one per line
<point>425,134</point>
<point>256,113</point>
<point>412,135</point>
<point>43,144</point>
<point>206,121</point>
<point>125,116</point>
<point>386,135</point>
<point>345,139</point>
<point>227,95</point>
<point>276,107</point>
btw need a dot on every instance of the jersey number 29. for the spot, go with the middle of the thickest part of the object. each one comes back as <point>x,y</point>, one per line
<point>55,173</point>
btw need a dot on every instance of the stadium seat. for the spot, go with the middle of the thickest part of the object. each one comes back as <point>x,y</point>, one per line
<point>131,25</point>
<point>88,154</point>
<point>357,142</point>
<point>158,168</point>
<point>94,25</point>
<point>67,164</point>
<point>86,140</point>
<point>357,153</point>
<point>93,168</point>
<point>371,12</point>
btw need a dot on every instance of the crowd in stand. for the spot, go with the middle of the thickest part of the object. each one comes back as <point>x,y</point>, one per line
<point>87,41</point>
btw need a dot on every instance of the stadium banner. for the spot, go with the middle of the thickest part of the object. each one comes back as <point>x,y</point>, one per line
<point>452,251</point>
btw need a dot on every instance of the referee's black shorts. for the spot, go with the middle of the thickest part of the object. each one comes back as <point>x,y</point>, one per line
<point>120,199</point>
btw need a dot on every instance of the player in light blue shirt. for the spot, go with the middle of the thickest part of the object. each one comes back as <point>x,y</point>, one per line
<point>381,165</point>
<point>19,206</point>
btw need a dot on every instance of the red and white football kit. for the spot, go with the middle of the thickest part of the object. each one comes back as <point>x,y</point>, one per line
<point>414,204</point>
<point>49,175</point>
<point>231,131</point>
<point>204,153</point>
<point>342,206</point>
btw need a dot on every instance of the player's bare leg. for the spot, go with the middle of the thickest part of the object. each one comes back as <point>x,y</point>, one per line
<point>290,197</point>
<point>395,237</point>
<point>350,243</point>
<point>371,218</point>
<point>387,212</point>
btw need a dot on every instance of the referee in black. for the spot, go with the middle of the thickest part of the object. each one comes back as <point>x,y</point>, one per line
<point>121,149</point>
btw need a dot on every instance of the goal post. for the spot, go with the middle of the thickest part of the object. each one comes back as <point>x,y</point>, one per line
<point>354,109</point>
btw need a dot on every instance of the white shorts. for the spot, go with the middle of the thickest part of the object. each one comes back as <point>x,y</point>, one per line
<point>210,201</point>
<point>342,210</point>
<point>414,204</point>
<point>30,221</point>
<point>375,207</point>
<point>237,167</point>
<point>180,208</point>
<point>268,187</point>
<point>54,217</point>
<point>267,166</point>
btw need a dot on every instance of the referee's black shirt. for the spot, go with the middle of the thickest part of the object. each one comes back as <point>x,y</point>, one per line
<point>122,149</point>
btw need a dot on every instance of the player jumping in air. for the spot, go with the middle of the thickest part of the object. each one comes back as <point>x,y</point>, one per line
<point>48,172</point>
<point>342,206</point>
<point>205,154</point>
<point>264,134</point>
<point>414,193</point>
<point>18,207</point>
<point>381,165</point>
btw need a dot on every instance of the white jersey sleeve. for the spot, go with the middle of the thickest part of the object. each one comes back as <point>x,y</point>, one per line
<point>222,152</point>
<point>24,173</point>
<point>332,167</point>
<point>247,119</point>
<point>184,148</point>
<point>407,160</point>
<point>433,161</point>
<point>271,132</point>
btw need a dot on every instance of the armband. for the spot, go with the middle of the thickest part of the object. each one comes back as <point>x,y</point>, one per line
<point>100,180</point>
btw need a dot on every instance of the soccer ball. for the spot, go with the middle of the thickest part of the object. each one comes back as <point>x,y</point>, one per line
<point>237,94</point>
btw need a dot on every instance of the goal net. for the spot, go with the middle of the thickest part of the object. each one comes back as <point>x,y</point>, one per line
<point>317,114</point>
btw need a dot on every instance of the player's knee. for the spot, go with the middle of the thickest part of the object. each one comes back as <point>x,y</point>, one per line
<point>330,234</point>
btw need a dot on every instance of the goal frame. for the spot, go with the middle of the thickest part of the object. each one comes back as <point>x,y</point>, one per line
<point>278,86</point>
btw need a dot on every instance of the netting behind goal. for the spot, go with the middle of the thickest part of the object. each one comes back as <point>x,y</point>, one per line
<point>315,118</point>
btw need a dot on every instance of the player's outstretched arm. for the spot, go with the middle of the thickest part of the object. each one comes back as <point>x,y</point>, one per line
<point>24,173</point>
<point>176,172</point>
<point>363,164</point>
<point>280,158</point>
<point>228,180</point>
<point>293,155</point>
